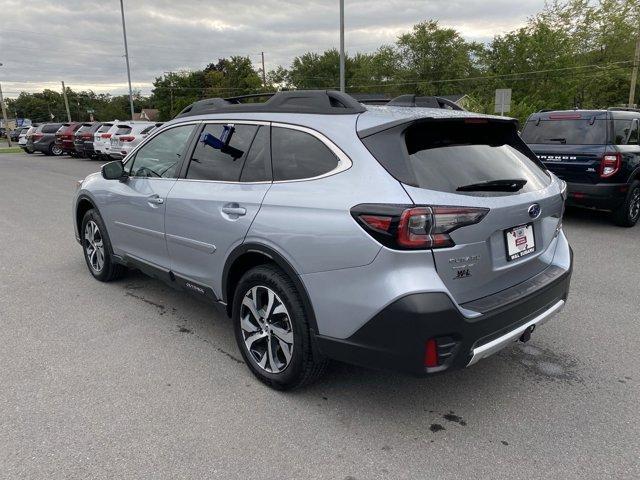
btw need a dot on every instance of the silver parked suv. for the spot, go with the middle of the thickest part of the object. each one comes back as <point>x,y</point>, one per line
<point>417,239</point>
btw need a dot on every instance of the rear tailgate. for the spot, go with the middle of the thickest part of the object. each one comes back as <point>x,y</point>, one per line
<point>457,162</point>
<point>573,163</point>
<point>570,143</point>
<point>479,264</point>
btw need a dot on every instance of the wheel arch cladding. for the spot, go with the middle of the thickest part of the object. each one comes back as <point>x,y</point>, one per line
<point>83,205</point>
<point>247,256</point>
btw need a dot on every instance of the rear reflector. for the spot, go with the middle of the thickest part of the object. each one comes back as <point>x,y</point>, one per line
<point>431,353</point>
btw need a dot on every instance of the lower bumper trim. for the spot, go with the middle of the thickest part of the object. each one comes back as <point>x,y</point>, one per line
<point>499,343</point>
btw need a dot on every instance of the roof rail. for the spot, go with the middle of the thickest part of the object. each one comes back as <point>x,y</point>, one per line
<point>623,109</point>
<point>328,102</point>
<point>428,102</point>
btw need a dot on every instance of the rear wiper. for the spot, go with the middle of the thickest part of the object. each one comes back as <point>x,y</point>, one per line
<point>560,139</point>
<point>507,185</point>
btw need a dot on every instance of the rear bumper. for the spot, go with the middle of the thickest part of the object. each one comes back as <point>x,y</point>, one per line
<point>608,196</point>
<point>395,338</point>
<point>66,145</point>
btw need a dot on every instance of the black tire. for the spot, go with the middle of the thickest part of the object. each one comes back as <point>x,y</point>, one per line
<point>303,368</point>
<point>629,212</point>
<point>54,150</point>
<point>28,151</point>
<point>110,270</point>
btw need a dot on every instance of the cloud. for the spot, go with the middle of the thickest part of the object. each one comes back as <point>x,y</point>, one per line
<point>44,42</point>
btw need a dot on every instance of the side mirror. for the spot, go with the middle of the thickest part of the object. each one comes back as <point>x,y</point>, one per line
<point>113,170</point>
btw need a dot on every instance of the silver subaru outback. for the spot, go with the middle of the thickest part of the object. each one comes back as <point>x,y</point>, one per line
<point>400,237</point>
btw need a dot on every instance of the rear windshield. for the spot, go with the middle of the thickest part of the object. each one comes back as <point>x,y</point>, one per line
<point>447,156</point>
<point>84,128</point>
<point>123,130</point>
<point>569,132</point>
<point>105,127</point>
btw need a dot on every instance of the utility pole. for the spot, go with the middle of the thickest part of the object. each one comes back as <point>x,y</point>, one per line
<point>66,102</point>
<point>126,55</point>
<point>342,46</point>
<point>4,115</point>
<point>634,74</point>
<point>264,75</point>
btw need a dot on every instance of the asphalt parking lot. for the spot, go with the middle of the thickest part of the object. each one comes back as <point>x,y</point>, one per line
<point>135,380</point>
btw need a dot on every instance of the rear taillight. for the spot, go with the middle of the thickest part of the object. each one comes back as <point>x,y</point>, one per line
<point>87,136</point>
<point>105,135</point>
<point>127,139</point>
<point>610,164</point>
<point>410,228</point>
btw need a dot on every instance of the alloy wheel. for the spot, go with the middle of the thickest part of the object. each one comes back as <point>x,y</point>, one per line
<point>94,246</point>
<point>56,150</point>
<point>267,330</point>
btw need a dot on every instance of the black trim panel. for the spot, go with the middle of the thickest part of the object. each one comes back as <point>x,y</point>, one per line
<point>395,338</point>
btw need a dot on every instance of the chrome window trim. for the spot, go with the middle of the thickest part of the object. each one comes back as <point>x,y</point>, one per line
<point>344,162</point>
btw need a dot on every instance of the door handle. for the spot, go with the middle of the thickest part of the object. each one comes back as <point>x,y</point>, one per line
<point>234,209</point>
<point>155,199</point>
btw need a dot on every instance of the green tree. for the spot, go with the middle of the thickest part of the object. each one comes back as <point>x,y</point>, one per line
<point>430,56</point>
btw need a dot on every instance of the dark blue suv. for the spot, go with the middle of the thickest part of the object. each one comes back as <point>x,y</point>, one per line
<point>597,152</point>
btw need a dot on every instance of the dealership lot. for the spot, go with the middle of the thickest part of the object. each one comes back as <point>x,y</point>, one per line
<point>134,380</point>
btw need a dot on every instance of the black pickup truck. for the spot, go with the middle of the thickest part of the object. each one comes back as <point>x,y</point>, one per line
<point>597,152</point>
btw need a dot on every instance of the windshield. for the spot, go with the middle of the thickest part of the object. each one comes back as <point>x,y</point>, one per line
<point>566,132</point>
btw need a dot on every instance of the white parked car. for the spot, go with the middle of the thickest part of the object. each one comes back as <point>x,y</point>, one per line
<point>129,135</point>
<point>22,138</point>
<point>101,139</point>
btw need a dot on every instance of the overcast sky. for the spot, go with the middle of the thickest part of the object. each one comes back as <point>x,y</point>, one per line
<point>45,41</point>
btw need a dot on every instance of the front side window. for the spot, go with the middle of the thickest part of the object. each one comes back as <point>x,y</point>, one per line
<point>298,155</point>
<point>161,156</point>
<point>222,164</point>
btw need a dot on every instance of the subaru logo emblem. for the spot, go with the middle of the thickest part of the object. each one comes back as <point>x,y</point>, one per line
<point>534,210</point>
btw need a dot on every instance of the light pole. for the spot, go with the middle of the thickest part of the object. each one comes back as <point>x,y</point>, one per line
<point>126,55</point>
<point>4,115</point>
<point>342,46</point>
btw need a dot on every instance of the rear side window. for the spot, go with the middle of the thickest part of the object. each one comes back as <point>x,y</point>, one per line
<point>451,156</point>
<point>625,132</point>
<point>566,132</point>
<point>297,155</point>
<point>209,163</point>
<point>257,166</point>
<point>51,128</point>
